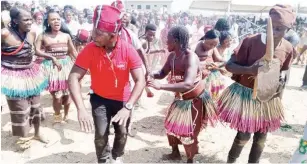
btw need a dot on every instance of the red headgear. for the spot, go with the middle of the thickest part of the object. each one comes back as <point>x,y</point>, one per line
<point>107,18</point>
<point>83,36</point>
<point>119,5</point>
<point>283,14</point>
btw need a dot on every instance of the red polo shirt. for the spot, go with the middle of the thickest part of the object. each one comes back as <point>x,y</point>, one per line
<point>124,58</point>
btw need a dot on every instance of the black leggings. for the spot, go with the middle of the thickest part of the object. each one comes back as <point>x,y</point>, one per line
<point>239,142</point>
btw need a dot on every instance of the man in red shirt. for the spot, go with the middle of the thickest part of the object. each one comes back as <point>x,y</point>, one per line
<point>110,60</point>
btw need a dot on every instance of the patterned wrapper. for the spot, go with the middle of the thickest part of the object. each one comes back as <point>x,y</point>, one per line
<point>23,83</point>
<point>58,79</point>
<point>236,106</point>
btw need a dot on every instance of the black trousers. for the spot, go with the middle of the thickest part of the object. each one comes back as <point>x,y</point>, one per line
<point>103,110</point>
<point>240,141</point>
<point>305,76</point>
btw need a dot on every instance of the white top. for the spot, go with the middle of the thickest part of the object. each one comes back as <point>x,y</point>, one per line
<point>86,26</point>
<point>73,26</point>
<point>136,43</point>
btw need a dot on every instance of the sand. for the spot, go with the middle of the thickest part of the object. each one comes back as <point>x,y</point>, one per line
<point>70,145</point>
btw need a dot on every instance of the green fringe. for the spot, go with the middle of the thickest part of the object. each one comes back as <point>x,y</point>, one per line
<point>182,104</point>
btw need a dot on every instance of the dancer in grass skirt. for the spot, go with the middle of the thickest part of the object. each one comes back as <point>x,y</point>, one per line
<point>193,108</point>
<point>22,80</point>
<point>212,63</point>
<point>236,105</point>
<point>57,42</point>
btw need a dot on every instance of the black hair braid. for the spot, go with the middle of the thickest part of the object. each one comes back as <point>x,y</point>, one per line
<point>14,14</point>
<point>150,27</point>
<point>212,34</point>
<point>181,35</point>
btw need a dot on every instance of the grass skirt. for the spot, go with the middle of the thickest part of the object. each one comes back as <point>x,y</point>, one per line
<point>214,83</point>
<point>244,114</point>
<point>184,115</point>
<point>23,83</point>
<point>58,79</point>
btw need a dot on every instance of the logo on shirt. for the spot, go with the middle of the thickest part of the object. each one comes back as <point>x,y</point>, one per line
<point>121,65</point>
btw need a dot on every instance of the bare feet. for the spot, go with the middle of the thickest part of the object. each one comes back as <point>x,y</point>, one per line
<point>172,156</point>
<point>65,119</point>
<point>41,138</point>
<point>175,155</point>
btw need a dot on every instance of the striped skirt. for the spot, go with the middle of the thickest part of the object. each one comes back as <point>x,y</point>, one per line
<point>23,83</point>
<point>236,107</point>
<point>186,118</point>
<point>58,79</point>
<point>214,83</point>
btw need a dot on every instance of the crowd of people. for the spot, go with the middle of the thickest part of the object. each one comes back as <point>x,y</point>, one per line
<point>125,52</point>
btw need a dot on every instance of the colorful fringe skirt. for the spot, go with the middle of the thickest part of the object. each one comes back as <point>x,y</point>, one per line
<point>214,83</point>
<point>58,79</point>
<point>186,118</point>
<point>236,106</point>
<point>23,83</point>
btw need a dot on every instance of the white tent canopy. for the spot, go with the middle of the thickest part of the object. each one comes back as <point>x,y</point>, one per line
<point>256,6</point>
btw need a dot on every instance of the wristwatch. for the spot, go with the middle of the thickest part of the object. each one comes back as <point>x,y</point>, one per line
<point>128,106</point>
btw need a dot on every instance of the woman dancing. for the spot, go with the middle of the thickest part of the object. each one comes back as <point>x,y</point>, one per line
<point>211,62</point>
<point>22,80</point>
<point>57,42</point>
<point>192,108</point>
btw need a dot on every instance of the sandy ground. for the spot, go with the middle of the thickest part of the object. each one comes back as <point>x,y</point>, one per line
<point>70,145</point>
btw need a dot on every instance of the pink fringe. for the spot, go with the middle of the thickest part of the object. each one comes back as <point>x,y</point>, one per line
<point>31,72</point>
<point>217,88</point>
<point>249,125</point>
<point>57,85</point>
<point>181,130</point>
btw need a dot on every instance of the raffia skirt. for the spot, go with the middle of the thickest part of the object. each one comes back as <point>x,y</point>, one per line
<point>186,118</point>
<point>58,79</point>
<point>236,107</point>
